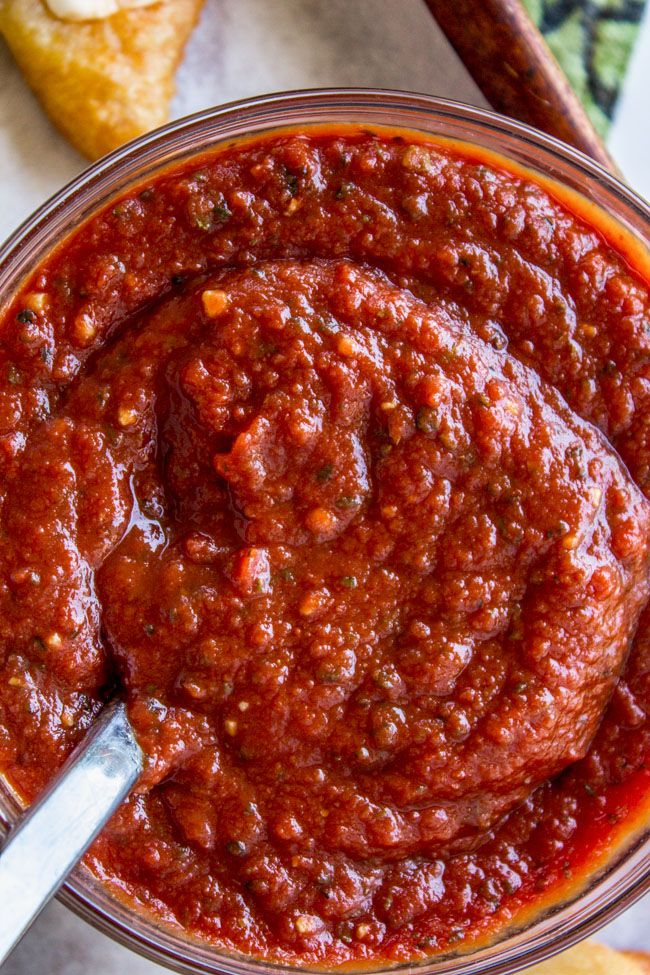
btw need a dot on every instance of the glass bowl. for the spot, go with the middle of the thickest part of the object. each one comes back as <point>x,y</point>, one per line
<point>623,874</point>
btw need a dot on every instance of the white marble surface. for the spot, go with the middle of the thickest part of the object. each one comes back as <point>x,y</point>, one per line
<point>247,47</point>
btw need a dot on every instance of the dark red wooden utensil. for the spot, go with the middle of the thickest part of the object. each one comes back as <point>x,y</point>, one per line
<point>511,63</point>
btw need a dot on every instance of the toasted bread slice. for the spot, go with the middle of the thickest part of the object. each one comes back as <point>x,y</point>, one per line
<point>105,81</point>
<point>588,958</point>
<point>641,958</point>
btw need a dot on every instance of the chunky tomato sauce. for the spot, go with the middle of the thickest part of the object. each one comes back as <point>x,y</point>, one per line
<point>329,452</point>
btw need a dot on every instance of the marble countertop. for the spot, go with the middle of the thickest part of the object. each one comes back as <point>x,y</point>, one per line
<point>244,48</point>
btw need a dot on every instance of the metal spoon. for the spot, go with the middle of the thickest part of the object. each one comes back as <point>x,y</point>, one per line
<point>58,828</point>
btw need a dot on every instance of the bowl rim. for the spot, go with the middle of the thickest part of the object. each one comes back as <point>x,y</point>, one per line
<point>261,115</point>
<point>93,177</point>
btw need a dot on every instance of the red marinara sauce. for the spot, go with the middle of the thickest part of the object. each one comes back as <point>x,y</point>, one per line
<point>331,450</point>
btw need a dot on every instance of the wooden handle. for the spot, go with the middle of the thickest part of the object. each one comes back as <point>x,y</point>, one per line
<point>510,62</point>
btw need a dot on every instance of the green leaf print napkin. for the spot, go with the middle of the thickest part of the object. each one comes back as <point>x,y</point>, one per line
<point>592,40</point>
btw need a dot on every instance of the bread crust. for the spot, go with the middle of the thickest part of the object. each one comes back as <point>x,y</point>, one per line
<point>589,958</point>
<point>102,82</point>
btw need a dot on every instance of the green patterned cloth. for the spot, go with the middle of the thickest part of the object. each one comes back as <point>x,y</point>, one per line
<point>592,40</point>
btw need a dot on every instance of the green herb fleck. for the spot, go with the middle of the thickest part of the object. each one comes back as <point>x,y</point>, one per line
<point>203,221</point>
<point>292,182</point>
<point>344,932</point>
<point>26,316</point>
<point>427,943</point>
<point>266,349</point>
<point>425,420</point>
<point>560,529</point>
<point>222,212</point>
<point>346,501</point>
<point>350,582</point>
<point>149,629</point>
<point>327,325</point>
<point>383,679</point>
<point>14,375</point>
<point>498,342</point>
<point>236,848</point>
<point>324,473</point>
<point>329,674</point>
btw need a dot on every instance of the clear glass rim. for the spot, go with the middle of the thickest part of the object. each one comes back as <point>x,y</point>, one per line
<point>89,184</point>
<point>629,877</point>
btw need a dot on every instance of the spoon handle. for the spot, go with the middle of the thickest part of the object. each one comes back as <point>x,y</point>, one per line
<point>511,63</point>
<point>60,826</point>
